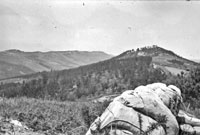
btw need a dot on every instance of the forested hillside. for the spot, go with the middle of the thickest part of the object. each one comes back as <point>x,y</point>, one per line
<point>107,77</point>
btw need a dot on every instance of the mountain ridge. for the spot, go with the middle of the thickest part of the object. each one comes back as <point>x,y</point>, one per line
<point>17,50</point>
<point>17,61</point>
<point>166,60</point>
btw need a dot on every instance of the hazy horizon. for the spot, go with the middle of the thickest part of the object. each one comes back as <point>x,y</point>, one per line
<point>109,26</point>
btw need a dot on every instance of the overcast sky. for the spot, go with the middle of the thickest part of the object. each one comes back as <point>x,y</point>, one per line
<point>109,26</point>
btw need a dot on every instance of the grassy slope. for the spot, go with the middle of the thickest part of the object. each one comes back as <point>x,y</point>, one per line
<point>10,70</point>
<point>31,62</point>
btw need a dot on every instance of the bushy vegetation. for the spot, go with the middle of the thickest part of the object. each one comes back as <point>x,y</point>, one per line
<point>189,83</point>
<point>52,117</point>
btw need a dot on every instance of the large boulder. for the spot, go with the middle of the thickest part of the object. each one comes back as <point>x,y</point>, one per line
<point>135,111</point>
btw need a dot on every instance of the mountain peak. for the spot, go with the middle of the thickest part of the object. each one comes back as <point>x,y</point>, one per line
<point>161,58</point>
<point>153,50</point>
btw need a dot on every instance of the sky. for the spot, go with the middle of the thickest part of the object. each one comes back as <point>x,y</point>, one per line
<point>109,26</point>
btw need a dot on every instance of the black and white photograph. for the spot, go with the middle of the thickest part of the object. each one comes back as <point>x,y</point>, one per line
<point>99,67</point>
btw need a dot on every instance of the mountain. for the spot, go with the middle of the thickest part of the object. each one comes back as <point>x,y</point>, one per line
<point>125,71</point>
<point>17,63</point>
<point>167,60</point>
